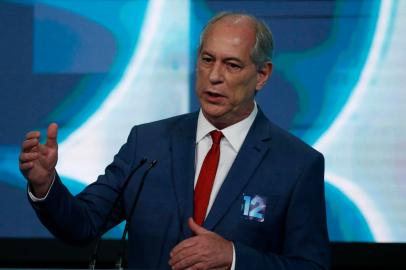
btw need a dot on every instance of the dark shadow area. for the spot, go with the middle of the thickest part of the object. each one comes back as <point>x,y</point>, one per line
<point>50,253</point>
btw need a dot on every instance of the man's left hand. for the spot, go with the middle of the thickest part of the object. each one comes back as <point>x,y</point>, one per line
<point>205,250</point>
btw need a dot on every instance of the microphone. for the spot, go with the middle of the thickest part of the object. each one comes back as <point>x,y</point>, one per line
<point>121,253</point>
<point>93,257</point>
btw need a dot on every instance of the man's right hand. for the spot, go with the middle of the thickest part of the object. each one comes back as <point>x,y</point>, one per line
<point>38,161</point>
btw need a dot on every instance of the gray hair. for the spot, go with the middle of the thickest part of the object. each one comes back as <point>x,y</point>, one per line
<point>263,48</point>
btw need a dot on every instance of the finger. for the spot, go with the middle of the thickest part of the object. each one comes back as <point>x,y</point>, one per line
<point>32,135</point>
<point>189,263</point>
<point>52,135</point>
<point>182,254</point>
<point>28,145</point>
<point>26,157</point>
<point>196,228</point>
<point>190,242</point>
<point>220,268</point>
<point>26,166</point>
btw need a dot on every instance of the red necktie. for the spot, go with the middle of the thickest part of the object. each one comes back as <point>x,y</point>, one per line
<point>206,178</point>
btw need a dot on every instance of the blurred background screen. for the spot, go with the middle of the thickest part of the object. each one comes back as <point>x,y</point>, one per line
<point>99,67</point>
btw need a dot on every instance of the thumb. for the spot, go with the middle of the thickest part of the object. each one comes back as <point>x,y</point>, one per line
<point>196,228</point>
<point>51,135</point>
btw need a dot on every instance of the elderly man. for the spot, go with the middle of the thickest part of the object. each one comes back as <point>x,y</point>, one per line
<point>231,190</point>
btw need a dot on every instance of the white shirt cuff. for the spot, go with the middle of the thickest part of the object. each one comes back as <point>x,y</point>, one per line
<point>36,199</point>
<point>233,263</point>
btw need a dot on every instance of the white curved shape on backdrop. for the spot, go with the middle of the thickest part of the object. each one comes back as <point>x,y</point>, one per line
<point>159,64</point>
<point>335,139</point>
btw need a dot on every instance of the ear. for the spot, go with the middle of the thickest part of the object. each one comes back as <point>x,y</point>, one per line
<point>263,75</point>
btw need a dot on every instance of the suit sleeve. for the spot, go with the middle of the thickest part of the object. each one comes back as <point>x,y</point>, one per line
<point>306,244</point>
<point>78,219</point>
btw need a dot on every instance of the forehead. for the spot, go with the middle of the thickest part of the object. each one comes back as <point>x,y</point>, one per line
<point>230,38</point>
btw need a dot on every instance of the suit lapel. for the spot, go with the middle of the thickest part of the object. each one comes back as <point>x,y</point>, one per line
<point>183,164</point>
<point>247,161</point>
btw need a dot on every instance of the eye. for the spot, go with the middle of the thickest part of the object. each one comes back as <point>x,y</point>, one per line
<point>206,59</point>
<point>234,66</point>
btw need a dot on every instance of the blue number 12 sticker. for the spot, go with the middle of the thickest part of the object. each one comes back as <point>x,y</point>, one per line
<point>254,207</point>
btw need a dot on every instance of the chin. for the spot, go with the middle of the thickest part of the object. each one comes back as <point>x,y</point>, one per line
<point>213,110</point>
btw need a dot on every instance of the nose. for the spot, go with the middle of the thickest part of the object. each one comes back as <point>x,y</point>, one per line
<point>216,74</point>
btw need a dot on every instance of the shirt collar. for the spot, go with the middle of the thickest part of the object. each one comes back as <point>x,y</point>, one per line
<point>235,134</point>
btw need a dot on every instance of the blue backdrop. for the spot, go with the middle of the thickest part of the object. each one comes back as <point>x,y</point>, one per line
<point>99,67</point>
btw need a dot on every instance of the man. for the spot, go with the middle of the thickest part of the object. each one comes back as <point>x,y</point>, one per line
<point>256,193</point>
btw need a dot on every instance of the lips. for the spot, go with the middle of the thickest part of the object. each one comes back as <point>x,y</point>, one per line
<point>213,96</point>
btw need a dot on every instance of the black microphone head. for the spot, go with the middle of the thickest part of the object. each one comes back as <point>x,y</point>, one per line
<point>153,163</point>
<point>143,160</point>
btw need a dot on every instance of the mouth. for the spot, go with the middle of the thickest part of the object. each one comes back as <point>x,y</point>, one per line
<point>213,97</point>
<point>214,94</point>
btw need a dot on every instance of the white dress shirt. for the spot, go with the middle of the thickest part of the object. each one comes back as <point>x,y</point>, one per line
<point>230,144</point>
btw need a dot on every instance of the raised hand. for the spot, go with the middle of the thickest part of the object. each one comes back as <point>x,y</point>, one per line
<point>38,161</point>
<point>205,250</point>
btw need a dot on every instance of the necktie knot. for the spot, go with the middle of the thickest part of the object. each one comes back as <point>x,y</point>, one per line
<point>216,136</point>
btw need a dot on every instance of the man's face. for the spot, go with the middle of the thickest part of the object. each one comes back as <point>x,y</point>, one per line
<point>226,76</point>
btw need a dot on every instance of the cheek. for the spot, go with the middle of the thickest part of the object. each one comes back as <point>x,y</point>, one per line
<point>200,76</point>
<point>251,81</point>
<point>242,90</point>
<point>238,86</point>
<point>201,70</point>
<point>198,83</point>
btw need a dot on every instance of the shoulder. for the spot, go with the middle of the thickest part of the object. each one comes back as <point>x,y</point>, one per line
<point>169,124</point>
<point>288,145</point>
<point>165,127</point>
<point>290,142</point>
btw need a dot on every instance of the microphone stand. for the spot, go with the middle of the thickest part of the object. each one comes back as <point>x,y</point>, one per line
<point>93,257</point>
<point>121,253</point>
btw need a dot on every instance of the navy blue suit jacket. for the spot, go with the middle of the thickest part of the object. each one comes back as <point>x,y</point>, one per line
<point>271,164</point>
